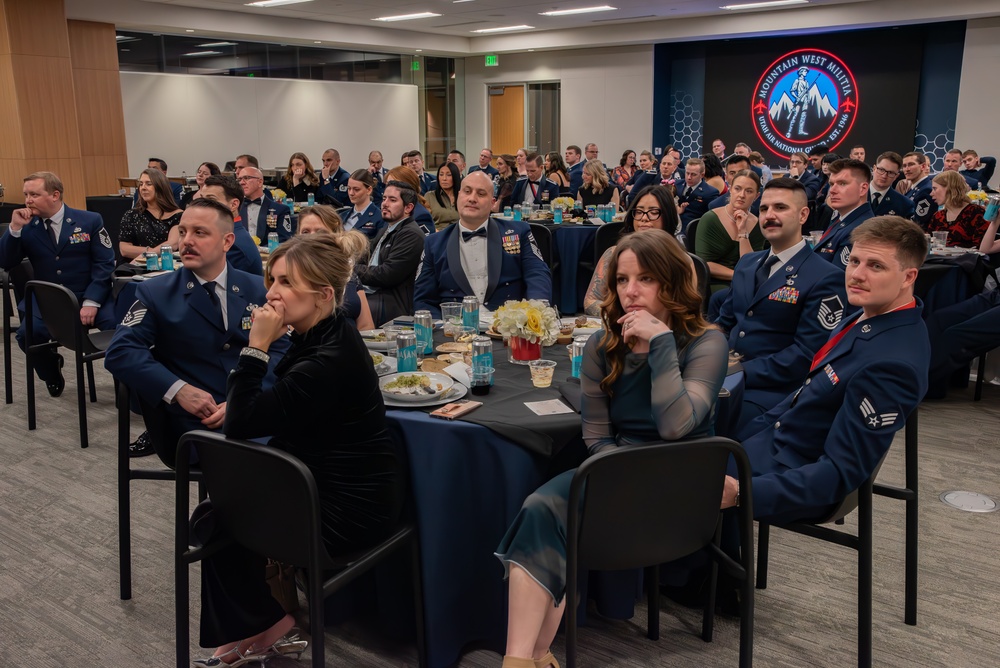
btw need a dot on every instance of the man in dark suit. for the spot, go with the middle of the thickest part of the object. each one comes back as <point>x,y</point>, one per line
<point>493,260</point>
<point>65,246</point>
<point>395,258</point>
<point>175,188</point>
<point>978,170</point>
<point>262,216</point>
<point>915,167</point>
<point>783,304</point>
<point>485,163</point>
<point>882,196</point>
<point>243,253</point>
<point>333,180</point>
<point>797,170</point>
<point>185,331</point>
<point>848,199</point>
<point>694,194</point>
<point>534,188</point>
<point>574,165</point>
<point>415,161</point>
<point>824,440</point>
<point>378,170</point>
<point>457,158</point>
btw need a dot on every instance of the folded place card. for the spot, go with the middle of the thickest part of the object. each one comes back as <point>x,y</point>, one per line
<point>549,407</point>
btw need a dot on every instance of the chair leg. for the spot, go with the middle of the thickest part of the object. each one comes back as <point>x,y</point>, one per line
<point>865,579</point>
<point>652,575</point>
<point>763,535</point>
<point>315,589</point>
<point>90,381</point>
<point>30,384</point>
<point>124,503</point>
<point>912,518</point>
<point>980,377</point>
<point>8,382</point>
<point>418,600</point>
<point>81,400</point>
<point>181,606</point>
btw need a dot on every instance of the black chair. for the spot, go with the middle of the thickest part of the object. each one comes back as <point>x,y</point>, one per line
<point>15,280</point>
<point>861,499</point>
<point>647,505</point>
<point>164,439</point>
<point>60,311</point>
<point>272,508</point>
<point>704,280</point>
<point>690,233</point>
<point>607,236</point>
<point>543,237</point>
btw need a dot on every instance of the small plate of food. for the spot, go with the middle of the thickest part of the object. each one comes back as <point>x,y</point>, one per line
<point>416,387</point>
<point>581,325</point>
<point>375,339</point>
<point>382,363</point>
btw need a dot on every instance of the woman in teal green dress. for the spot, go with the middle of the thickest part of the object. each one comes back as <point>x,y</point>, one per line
<point>728,233</point>
<point>653,374</point>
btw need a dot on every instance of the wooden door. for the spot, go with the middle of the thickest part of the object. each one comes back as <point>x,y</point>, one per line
<point>506,119</point>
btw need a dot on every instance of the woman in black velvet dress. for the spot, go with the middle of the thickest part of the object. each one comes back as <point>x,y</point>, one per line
<point>324,408</point>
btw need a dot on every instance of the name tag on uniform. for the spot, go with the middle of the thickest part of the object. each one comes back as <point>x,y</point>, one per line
<point>511,243</point>
<point>785,295</point>
<point>79,238</point>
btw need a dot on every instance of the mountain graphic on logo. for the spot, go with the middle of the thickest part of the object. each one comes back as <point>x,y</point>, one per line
<point>819,106</point>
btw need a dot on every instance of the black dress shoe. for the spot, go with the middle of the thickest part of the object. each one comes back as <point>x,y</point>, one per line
<point>141,447</point>
<point>57,386</point>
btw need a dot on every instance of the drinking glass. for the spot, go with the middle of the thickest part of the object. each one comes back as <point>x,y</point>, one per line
<point>542,372</point>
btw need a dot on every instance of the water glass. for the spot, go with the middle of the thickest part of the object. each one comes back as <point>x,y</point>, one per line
<point>940,239</point>
<point>451,314</point>
<point>391,331</point>
<point>482,379</point>
<point>814,238</point>
<point>542,372</point>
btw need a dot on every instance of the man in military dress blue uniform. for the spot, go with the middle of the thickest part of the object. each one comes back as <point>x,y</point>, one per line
<point>882,196</point>
<point>693,193</point>
<point>848,198</point>
<point>261,215</point>
<point>825,439</point>
<point>65,246</point>
<point>920,187</point>
<point>184,332</point>
<point>333,183</point>
<point>574,169</point>
<point>534,188</point>
<point>783,304</point>
<point>485,164</point>
<point>494,260</point>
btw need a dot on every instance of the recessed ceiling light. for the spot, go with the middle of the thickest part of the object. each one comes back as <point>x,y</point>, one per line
<point>504,29</point>
<point>202,53</point>
<point>764,5</point>
<point>210,44</point>
<point>316,41</point>
<point>458,2</point>
<point>407,17</point>
<point>274,3</point>
<point>578,10</point>
<point>418,50</point>
<point>189,30</point>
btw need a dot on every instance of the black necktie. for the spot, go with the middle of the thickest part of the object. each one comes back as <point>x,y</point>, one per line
<point>258,201</point>
<point>214,298</point>
<point>52,231</point>
<point>687,192</point>
<point>764,271</point>
<point>876,198</point>
<point>481,232</point>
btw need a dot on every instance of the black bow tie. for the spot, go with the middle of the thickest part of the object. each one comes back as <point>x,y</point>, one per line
<point>481,232</point>
<point>258,201</point>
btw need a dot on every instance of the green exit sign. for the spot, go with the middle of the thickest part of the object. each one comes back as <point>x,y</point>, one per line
<point>415,66</point>
<point>492,60</point>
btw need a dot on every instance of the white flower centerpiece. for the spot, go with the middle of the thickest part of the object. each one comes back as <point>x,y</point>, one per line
<point>526,325</point>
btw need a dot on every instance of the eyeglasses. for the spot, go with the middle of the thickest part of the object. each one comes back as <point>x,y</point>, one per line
<point>648,214</point>
<point>885,172</point>
<point>249,178</point>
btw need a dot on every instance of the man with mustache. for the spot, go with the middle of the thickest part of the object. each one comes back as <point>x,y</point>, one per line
<point>185,331</point>
<point>826,438</point>
<point>783,304</point>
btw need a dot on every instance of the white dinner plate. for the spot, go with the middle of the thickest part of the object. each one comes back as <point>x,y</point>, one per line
<point>457,391</point>
<point>444,380</point>
<point>367,336</point>
<point>578,331</point>
<point>388,365</point>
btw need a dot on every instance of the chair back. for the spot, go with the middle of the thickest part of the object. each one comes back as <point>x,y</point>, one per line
<point>690,235</point>
<point>543,237</point>
<point>927,276</point>
<point>648,504</point>
<point>704,279</point>
<point>265,498</point>
<point>60,310</point>
<point>607,236</point>
<point>19,277</point>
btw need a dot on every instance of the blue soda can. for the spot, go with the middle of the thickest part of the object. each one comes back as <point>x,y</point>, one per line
<point>406,355</point>
<point>470,312</point>
<point>576,354</point>
<point>482,354</point>
<point>166,258</point>
<point>424,328</point>
<point>557,216</point>
<point>152,262</point>
<point>508,212</point>
<point>517,212</point>
<point>311,199</point>
<point>272,242</point>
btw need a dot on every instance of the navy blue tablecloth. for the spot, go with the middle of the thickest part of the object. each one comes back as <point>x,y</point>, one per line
<point>572,244</point>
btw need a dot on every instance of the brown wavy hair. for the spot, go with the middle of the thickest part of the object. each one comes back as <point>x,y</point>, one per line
<point>662,256</point>
<point>310,174</point>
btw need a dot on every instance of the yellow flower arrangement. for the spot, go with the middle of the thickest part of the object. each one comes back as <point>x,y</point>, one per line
<point>532,320</point>
<point>278,194</point>
<point>566,203</point>
<point>978,197</point>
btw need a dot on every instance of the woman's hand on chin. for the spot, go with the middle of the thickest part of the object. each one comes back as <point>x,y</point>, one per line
<point>641,326</point>
<point>268,325</point>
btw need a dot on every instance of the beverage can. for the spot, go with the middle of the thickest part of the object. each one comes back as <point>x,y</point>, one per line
<point>166,258</point>
<point>311,199</point>
<point>576,354</point>
<point>423,326</point>
<point>508,212</point>
<point>406,353</point>
<point>517,212</point>
<point>470,312</point>
<point>272,242</point>
<point>482,354</point>
<point>152,262</point>
<point>557,215</point>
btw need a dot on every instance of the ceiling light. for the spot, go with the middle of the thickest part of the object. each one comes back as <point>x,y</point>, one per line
<point>407,17</point>
<point>189,30</point>
<point>316,41</point>
<point>764,5</point>
<point>418,50</point>
<point>504,29</point>
<point>202,53</point>
<point>218,44</point>
<point>119,38</point>
<point>458,2</point>
<point>274,3</point>
<point>578,10</point>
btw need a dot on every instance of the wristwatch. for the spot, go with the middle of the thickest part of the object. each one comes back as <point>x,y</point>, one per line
<point>742,236</point>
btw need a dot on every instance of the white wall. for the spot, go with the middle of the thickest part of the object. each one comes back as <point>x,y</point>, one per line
<point>606,95</point>
<point>189,119</point>
<point>978,126</point>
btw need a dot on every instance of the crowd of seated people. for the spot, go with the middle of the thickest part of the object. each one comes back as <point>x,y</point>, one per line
<point>245,342</point>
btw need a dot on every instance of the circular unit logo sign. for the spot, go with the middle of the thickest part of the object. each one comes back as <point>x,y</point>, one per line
<point>805,98</point>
